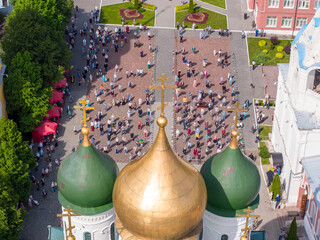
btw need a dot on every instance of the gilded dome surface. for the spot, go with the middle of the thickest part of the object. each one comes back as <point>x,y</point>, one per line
<point>86,179</point>
<point>159,196</point>
<point>232,180</point>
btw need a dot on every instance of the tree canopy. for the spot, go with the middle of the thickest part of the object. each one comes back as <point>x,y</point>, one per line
<point>15,160</point>
<point>27,30</point>
<point>56,12</point>
<point>27,98</point>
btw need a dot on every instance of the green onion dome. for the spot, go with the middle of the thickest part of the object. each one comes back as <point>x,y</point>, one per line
<point>86,179</point>
<point>232,181</point>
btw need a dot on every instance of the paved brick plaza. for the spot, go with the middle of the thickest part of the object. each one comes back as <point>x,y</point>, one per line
<point>204,50</point>
<point>128,59</point>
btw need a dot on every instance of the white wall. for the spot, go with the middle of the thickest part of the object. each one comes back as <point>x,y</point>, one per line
<point>98,225</point>
<point>215,226</point>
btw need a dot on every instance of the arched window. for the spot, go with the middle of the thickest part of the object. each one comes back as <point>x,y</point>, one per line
<point>112,233</point>
<point>224,237</point>
<point>312,213</point>
<point>314,80</point>
<point>87,236</point>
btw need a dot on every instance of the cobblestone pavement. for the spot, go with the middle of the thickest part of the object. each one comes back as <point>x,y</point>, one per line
<point>204,50</point>
<point>128,59</point>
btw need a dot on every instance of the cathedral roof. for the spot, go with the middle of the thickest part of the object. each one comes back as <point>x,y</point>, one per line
<point>86,179</point>
<point>159,196</point>
<point>232,181</point>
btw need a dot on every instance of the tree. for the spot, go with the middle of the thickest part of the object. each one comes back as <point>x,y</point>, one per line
<point>275,186</point>
<point>15,160</point>
<point>292,235</point>
<point>27,97</point>
<point>136,4</point>
<point>27,30</point>
<point>56,12</point>
<point>191,6</point>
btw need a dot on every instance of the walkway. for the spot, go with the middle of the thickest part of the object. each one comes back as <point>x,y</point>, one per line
<point>164,64</point>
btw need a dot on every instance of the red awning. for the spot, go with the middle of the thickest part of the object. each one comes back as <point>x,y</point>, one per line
<point>56,97</point>
<point>46,128</point>
<point>61,84</point>
<point>54,113</point>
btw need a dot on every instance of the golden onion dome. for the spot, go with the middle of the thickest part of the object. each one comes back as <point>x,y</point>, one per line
<point>159,196</point>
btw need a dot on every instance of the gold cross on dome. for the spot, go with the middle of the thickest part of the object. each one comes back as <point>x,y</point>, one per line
<point>162,87</point>
<point>69,215</point>
<point>237,110</point>
<point>247,216</point>
<point>84,108</point>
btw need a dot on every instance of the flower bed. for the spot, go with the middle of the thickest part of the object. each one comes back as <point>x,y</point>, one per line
<point>200,17</point>
<point>129,14</point>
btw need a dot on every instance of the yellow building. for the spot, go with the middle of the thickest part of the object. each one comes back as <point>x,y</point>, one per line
<point>3,111</point>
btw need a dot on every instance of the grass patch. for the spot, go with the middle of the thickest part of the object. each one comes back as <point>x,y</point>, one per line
<point>110,15</point>
<point>256,54</point>
<point>218,3</point>
<point>264,161</point>
<point>215,20</point>
<point>259,102</point>
<point>264,133</point>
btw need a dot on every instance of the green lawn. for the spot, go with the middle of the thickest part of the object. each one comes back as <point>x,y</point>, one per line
<point>110,15</point>
<point>266,58</point>
<point>264,132</point>
<point>264,161</point>
<point>215,20</point>
<point>218,3</point>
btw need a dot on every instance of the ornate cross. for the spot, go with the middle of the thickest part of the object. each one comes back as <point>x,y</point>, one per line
<point>162,87</point>
<point>69,215</point>
<point>247,216</point>
<point>84,108</point>
<point>237,109</point>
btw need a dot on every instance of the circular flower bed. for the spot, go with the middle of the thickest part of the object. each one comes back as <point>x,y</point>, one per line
<point>265,51</point>
<point>262,43</point>
<point>130,14</point>
<point>199,18</point>
<point>279,55</point>
<point>279,48</point>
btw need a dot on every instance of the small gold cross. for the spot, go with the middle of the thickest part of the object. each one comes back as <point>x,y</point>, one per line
<point>84,108</point>
<point>237,110</point>
<point>247,216</point>
<point>162,87</point>
<point>69,215</point>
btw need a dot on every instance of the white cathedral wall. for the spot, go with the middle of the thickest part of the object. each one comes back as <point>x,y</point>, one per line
<point>287,138</point>
<point>99,226</point>
<point>215,226</point>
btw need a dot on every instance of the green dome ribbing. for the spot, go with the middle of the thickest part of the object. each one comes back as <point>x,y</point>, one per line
<point>85,179</point>
<point>232,181</point>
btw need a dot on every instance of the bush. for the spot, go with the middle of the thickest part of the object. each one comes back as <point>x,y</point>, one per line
<point>279,48</point>
<point>292,235</point>
<point>141,10</point>
<point>184,7</point>
<point>191,6</point>
<point>264,153</point>
<point>262,43</point>
<point>275,188</point>
<point>130,7</point>
<point>265,51</point>
<point>287,49</point>
<point>149,6</point>
<point>279,55</point>
<point>136,4</point>
<point>274,40</point>
<point>271,46</point>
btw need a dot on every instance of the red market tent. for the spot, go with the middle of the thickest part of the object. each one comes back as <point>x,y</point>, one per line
<point>46,128</point>
<point>61,84</point>
<point>54,113</point>
<point>56,97</point>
